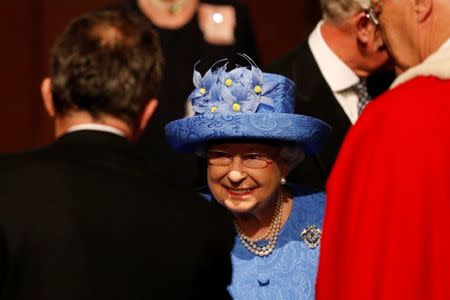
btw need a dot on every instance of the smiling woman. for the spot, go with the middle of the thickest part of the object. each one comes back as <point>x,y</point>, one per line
<point>248,181</point>
<point>243,124</point>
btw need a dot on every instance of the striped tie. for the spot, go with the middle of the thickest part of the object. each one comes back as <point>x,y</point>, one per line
<point>363,95</point>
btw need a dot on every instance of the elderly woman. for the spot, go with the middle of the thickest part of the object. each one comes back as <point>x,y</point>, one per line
<point>243,124</point>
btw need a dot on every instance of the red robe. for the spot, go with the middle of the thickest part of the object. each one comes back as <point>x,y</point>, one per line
<point>387,225</point>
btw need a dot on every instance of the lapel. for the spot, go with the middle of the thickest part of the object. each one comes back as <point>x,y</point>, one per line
<point>314,96</point>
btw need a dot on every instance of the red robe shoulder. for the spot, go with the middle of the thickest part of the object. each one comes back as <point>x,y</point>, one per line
<point>386,233</point>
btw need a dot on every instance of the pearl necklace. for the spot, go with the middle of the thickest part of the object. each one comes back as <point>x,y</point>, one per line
<point>271,235</point>
<point>172,8</point>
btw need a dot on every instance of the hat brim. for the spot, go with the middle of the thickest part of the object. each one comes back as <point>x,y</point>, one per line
<point>189,134</point>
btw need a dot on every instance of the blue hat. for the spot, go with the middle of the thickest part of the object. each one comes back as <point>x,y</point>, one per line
<point>242,104</point>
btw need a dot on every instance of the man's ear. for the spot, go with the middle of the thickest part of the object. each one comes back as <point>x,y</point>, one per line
<point>364,30</point>
<point>149,109</point>
<point>422,9</point>
<point>46,93</point>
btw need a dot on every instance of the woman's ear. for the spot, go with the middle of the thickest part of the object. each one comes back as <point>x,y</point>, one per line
<point>47,98</point>
<point>290,161</point>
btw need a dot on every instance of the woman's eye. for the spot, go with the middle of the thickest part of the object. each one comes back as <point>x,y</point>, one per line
<point>255,156</point>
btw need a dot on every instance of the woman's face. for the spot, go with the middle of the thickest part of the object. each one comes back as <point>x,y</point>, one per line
<point>245,177</point>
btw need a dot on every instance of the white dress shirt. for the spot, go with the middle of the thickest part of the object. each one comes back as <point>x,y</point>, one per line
<point>97,127</point>
<point>339,77</point>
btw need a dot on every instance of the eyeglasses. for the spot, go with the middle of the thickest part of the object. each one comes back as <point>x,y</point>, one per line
<point>373,12</point>
<point>249,160</point>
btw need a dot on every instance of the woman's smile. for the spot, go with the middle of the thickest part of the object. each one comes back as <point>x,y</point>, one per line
<point>239,192</point>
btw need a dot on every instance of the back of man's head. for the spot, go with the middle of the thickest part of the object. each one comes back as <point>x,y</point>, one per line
<point>336,11</point>
<point>106,62</point>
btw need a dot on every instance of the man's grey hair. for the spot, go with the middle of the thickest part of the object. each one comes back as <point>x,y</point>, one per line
<point>336,11</point>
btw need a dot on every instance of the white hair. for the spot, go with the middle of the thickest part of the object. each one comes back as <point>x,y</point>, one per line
<point>336,11</point>
<point>292,154</point>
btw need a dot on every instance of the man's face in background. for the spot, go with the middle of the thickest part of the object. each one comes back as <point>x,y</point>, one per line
<point>398,30</point>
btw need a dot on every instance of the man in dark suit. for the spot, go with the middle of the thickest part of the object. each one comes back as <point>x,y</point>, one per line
<point>332,73</point>
<point>85,217</point>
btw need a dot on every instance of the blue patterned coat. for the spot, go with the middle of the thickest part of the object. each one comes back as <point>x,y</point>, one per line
<point>290,271</point>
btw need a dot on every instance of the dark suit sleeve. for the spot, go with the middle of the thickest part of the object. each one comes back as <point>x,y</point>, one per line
<point>216,275</point>
<point>216,233</point>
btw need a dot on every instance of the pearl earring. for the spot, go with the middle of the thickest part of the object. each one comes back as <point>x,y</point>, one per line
<point>283,181</point>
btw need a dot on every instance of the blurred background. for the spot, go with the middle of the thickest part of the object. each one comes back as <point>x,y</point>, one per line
<point>29,27</point>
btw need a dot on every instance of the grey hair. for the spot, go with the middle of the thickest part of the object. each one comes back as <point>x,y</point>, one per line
<point>293,154</point>
<point>336,11</point>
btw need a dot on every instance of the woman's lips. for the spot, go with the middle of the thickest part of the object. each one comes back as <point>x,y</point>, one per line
<point>239,192</point>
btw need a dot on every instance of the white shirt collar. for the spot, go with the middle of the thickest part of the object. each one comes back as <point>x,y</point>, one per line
<point>336,73</point>
<point>95,126</point>
<point>445,44</point>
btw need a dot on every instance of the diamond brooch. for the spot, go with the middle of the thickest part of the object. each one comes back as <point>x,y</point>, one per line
<point>311,236</point>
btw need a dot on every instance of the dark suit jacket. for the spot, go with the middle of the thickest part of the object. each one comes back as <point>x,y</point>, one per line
<point>87,218</point>
<point>315,98</point>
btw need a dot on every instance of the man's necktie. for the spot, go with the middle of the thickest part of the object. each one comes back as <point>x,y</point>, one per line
<point>363,95</point>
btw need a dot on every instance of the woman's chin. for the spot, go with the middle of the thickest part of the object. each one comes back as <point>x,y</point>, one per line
<point>239,205</point>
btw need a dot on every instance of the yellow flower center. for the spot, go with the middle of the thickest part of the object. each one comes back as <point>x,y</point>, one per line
<point>236,107</point>
<point>214,109</point>
<point>202,91</point>
<point>257,89</point>
<point>228,82</point>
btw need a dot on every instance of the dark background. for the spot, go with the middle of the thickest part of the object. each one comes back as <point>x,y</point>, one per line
<point>29,27</point>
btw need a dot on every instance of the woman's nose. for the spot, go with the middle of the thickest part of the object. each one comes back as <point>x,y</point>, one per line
<point>236,172</point>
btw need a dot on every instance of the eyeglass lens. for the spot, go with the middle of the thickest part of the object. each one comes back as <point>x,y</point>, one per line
<point>250,160</point>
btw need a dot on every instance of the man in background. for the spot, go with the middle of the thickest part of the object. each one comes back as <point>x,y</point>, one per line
<point>386,232</point>
<point>86,217</point>
<point>332,72</point>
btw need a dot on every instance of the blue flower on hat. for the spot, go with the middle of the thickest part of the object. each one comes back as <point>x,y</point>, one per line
<point>260,90</point>
<point>234,86</point>
<point>214,104</point>
<point>236,98</point>
<point>244,103</point>
<point>241,90</point>
<point>238,76</point>
<point>204,87</point>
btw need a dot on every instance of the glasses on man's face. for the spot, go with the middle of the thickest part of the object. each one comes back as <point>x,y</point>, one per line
<point>373,12</point>
<point>249,160</point>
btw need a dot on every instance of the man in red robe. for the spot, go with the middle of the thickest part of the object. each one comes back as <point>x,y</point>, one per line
<point>387,224</point>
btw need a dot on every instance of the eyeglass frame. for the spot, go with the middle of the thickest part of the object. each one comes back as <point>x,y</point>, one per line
<point>373,12</point>
<point>267,159</point>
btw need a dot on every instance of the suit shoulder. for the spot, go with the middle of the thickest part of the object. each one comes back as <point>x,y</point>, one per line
<point>24,158</point>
